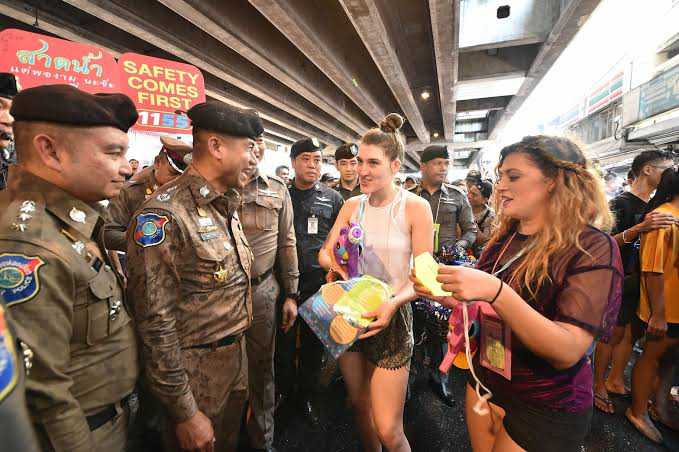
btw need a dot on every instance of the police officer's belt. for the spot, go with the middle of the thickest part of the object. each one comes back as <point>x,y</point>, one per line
<point>108,413</point>
<point>260,279</point>
<point>226,340</point>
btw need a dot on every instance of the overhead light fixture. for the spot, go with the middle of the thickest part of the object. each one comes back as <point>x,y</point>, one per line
<point>435,135</point>
<point>425,95</point>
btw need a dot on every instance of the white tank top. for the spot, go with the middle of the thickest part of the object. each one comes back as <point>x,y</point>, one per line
<point>387,251</point>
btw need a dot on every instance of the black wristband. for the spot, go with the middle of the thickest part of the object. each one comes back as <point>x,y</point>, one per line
<point>498,293</point>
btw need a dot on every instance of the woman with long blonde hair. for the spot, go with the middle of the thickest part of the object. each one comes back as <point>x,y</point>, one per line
<point>553,280</point>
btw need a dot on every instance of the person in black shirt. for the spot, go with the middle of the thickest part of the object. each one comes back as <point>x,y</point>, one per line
<point>629,209</point>
<point>315,209</point>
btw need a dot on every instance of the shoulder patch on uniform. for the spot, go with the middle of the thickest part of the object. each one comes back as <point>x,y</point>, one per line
<point>9,363</point>
<point>19,279</point>
<point>150,229</point>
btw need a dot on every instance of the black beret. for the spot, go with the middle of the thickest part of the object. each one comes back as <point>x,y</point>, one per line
<point>222,118</point>
<point>346,151</point>
<point>434,152</point>
<point>8,85</point>
<point>65,104</point>
<point>304,145</point>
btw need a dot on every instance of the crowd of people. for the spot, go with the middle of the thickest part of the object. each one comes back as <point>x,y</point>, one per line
<point>157,308</point>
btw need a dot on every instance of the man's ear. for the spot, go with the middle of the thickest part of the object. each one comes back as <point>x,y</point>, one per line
<point>45,146</point>
<point>214,146</point>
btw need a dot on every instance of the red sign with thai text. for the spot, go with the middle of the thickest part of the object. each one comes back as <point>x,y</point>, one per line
<point>162,90</point>
<point>36,60</point>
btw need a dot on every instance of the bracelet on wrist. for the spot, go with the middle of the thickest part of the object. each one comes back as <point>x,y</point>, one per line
<point>497,295</point>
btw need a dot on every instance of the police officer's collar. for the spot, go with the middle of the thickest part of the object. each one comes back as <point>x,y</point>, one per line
<point>261,176</point>
<point>203,193</point>
<point>317,186</point>
<point>443,189</point>
<point>72,211</point>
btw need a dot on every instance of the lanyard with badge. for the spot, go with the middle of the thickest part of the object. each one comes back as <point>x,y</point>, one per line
<point>437,225</point>
<point>495,343</point>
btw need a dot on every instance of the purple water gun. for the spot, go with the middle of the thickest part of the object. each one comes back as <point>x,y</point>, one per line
<point>349,247</point>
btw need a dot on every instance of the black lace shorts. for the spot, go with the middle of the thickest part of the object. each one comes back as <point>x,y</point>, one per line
<point>392,348</point>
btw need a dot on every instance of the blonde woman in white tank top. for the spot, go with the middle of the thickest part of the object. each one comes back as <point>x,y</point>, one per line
<point>397,225</point>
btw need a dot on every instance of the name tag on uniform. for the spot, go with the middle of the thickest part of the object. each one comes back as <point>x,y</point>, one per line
<point>312,225</point>
<point>271,193</point>
<point>205,221</point>
<point>447,200</point>
<point>210,235</point>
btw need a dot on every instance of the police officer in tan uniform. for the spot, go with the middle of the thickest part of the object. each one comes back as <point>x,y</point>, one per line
<point>55,276</point>
<point>267,219</point>
<point>189,269</point>
<point>170,162</point>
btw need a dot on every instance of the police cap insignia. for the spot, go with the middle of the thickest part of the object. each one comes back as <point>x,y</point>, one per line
<point>19,279</point>
<point>150,229</point>
<point>346,151</point>
<point>304,145</point>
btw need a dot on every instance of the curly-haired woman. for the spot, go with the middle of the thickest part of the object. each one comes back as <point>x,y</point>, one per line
<point>554,279</point>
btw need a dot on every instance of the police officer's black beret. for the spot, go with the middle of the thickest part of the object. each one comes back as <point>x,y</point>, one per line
<point>8,85</point>
<point>221,118</point>
<point>434,152</point>
<point>304,145</point>
<point>65,104</point>
<point>346,151</point>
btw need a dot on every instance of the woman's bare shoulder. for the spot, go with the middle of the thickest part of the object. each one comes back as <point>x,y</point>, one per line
<point>414,201</point>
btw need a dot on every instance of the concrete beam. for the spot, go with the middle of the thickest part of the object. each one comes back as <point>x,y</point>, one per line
<point>445,20</point>
<point>451,145</point>
<point>235,28</point>
<point>572,17</point>
<point>276,139</point>
<point>488,103</point>
<point>284,134</point>
<point>286,18</point>
<point>266,112</point>
<point>142,20</point>
<point>479,65</point>
<point>368,22</point>
<point>292,128</point>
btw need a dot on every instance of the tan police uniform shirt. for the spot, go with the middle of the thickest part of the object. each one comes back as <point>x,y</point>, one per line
<point>68,308</point>
<point>267,219</point>
<point>189,266</point>
<point>122,207</point>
